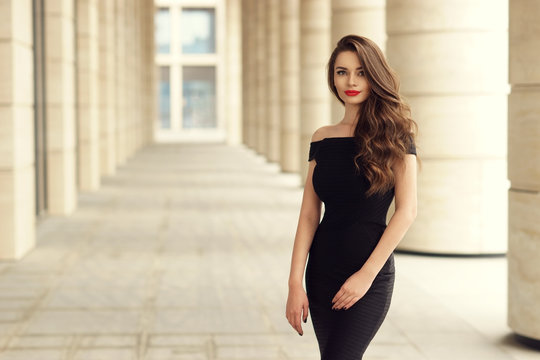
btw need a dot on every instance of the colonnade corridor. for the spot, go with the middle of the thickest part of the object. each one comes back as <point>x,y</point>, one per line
<point>185,253</point>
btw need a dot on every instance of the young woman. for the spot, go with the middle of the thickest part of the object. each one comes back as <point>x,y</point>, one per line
<point>356,167</point>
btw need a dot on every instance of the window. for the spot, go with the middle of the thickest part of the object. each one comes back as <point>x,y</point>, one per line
<point>198,31</point>
<point>163,31</point>
<point>199,91</point>
<point>164,97</point>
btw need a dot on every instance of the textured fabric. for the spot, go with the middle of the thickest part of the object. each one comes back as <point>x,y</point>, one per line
<point>349,231</point>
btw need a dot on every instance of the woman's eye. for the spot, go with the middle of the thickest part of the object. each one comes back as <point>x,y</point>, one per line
<point>340,72</point>
<point>361,73</point>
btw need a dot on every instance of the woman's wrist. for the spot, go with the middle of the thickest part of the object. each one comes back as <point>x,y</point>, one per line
<point>294,283</point>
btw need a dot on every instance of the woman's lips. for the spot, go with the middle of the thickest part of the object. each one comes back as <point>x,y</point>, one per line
<point>352,92</point>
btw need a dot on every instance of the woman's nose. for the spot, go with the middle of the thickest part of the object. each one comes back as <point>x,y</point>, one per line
<point>352,80</point>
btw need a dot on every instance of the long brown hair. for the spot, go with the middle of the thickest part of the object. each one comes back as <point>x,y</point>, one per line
<point>385,130</point>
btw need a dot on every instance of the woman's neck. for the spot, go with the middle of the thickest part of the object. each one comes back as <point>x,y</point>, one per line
<point>350,117</point>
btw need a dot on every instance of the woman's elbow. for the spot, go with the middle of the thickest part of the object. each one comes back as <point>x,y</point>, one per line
<point>412,214</point>
<point>408,213</point>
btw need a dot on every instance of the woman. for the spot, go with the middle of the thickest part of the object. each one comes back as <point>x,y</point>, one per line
<point>355,167</point>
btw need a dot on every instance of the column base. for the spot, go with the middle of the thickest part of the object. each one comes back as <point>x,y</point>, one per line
<point>426,253</point>
<point>530,342</point>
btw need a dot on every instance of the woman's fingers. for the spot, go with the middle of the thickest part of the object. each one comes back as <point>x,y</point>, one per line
<point>351,302</point>
<point>338,295</point>
<point>345,299</point>
<point>298,322</point>
<point>294,319</point>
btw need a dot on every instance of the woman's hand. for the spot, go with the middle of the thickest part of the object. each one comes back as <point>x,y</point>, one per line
<point>297,303</point>
<point>352,290</point>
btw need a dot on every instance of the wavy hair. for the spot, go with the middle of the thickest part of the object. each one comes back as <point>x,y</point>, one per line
<point>385,130</point>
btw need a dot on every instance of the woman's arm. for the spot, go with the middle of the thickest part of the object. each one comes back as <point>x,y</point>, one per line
<point>310,214</point>
<point>403,217</point>
<point>405,212</point>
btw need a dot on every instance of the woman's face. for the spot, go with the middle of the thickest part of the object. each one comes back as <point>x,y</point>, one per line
<point>352,86</point>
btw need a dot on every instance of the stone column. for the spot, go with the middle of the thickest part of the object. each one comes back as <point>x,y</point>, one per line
<point>261,68</point>
<point>60,104</point>
<point>151,86</point>
<point>452,60</point>
<point>107,95</point>
<point>121,91</point>
<point>129,77</point>
<point>524,170</point>
<point>250,66</point>
<point>234,72</point>
<point>271,85</point>
<point>314,53</point>
<point>290,86</point>
<point>17,171</point>
<point>360,17</point>
<point>87,83</point>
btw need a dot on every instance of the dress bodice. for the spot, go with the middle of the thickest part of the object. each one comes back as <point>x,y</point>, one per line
<point>341,187</point>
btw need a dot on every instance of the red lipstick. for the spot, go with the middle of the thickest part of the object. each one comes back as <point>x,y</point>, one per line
<point>352,92</point>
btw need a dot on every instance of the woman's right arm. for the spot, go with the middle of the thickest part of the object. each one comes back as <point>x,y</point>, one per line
<point>310,214</point>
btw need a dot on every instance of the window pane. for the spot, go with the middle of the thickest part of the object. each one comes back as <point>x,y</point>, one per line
<point>198,31</point>
<point>199,103</point>
<point>164,94</point>
<point>163,31</point>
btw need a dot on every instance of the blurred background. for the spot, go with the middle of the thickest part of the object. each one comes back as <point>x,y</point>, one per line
<point>150,148</point>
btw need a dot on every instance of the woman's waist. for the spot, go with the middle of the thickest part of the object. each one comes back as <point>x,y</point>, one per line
<point>344,219</point>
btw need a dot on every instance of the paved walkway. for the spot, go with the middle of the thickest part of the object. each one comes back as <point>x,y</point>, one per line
<point>184,254</point>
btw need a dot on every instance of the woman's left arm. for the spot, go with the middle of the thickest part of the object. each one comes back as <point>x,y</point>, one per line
<point>405,212</point>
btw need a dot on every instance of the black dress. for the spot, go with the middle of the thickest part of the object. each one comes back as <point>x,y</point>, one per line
<point>349,231</point>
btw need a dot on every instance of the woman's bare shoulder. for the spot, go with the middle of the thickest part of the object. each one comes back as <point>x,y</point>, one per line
<point>322,132</point>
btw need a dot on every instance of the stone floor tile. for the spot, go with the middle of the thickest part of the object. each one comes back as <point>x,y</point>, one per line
<point>248,352</point>
<point>175,354</point>
<point>179,340</point>
<point>98,341</point>
<point>41,341</point>
<point>105,354</point>
<point>83,322</point>
<point>33,354</point>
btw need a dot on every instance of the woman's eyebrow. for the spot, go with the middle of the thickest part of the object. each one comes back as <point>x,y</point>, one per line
<point>344,68</point>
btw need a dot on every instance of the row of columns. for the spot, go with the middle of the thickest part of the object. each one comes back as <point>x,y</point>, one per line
<point>99,108</point>
<point>453,65</point>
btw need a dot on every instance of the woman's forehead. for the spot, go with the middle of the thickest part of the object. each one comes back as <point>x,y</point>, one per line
<point>348,59</point>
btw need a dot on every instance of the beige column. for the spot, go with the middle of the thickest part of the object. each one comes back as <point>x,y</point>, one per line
<point>60,103</point>
<point>360,17</point>
<point>250,72</point>
<point>524,170</point>
<point>261,69</point>
<point>120,70</point>
<point>107,95</point>
<point>87,82</point>
<point>234,72</point>
<point>273,80</point>
<point>150,69</point>
<point>315,50</point>
<point>17,171</point>
<point>290,86</point>
<point>244,17</point>
<point>129,76</point>
<point>452,60</point>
